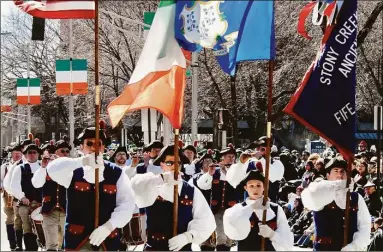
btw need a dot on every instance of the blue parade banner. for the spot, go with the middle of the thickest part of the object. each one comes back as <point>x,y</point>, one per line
<point>325,99</point>
<point>235,30</point>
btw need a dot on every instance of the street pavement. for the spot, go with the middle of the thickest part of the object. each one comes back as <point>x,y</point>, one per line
<point>4,246</point>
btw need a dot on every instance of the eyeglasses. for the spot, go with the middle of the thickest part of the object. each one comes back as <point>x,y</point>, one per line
<point>90,143</point>
<point>171,163</point>
<point>32,152</point>
<point>65,151</point>
<point>121,154</point>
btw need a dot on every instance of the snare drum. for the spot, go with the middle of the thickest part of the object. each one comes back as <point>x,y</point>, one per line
<point>37,226</point>
<point>133,230</point>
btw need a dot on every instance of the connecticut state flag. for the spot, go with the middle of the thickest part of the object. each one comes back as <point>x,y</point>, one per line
<point>325,99</point>
<point>235,30</point>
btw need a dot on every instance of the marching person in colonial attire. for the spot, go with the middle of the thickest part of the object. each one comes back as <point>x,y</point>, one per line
<point>119,157</point>
<point>8,199</point>
<point>53,196</point>
<point>151,153</point>
<point>189,169</point>
<point>207,164</point>
<point>29,197</point>
<point>243,222</point>
<point>155,193</point>
<point>7,186</point>
<point>223,195</point>
<point>327,198</point>
<point>116,200</point>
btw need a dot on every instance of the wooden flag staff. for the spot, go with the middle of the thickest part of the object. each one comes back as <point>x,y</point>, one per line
<point>97,119</point>
<point>268,145</point>
<point>176,172</point>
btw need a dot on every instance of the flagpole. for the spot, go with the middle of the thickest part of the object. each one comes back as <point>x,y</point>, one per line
<point>268,145</point>
<point>71,98</point>
<point>29,93</point>
<point>97,116</point>
<point>347,209</point>
<point>175,192</point>
<point>194,126</point>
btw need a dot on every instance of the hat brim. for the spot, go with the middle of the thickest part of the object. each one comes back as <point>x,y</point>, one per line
<point>169,151</point>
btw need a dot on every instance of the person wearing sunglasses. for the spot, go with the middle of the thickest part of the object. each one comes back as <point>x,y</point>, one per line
<point>155,193</point>
<point>14,229</point>
<point>149,156</point>
<point>116,202</point>
<point>53,196</point>
<point>208,166</point>
<point>62,148</point>
<point>29,196</point>
<point>223,194</point>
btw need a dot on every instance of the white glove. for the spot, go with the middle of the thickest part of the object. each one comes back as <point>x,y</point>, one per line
<point>100,234</point>
<point>265,231</point>
<point>189,169</point>
<point>168,178</point>
<point>90,160</point>
<point>178,242</point>
<point>258,204</point>
<point>350,247</point>
<point>339,184</point>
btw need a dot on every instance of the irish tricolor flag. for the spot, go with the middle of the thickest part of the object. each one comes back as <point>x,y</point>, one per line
<point>29,88</point>
<point>158,81</point>
<point>71,76</point>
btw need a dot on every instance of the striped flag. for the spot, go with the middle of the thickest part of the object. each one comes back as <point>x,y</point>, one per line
<point>33,92</point>
<point>71,71</point>
<point>58,9</point>
<point>158,81</point>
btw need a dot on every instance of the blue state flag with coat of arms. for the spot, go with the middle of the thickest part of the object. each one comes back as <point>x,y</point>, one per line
<point>235,30</point>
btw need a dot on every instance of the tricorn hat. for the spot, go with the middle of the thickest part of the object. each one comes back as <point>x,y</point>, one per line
<point>254,171</point>
<point>192,148</point>
<point>91,133</point>
<point>168,150</point>
<point>336,163</point>
<point>156,144</point>
<point>62,144</point>
<point>16,147</point>
<point>119,149</point>
<point>31,147</point>
<point>229,150</point>
<point>48,146</point>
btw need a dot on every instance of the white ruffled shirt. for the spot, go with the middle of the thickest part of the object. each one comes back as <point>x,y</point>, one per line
<point>15,184</point>
<point>319,194</point>
<point>61,171</point>
<point>237,226</point>
<point>147,187</point>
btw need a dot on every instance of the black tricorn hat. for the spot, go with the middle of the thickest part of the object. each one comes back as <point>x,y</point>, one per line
<point>62,144</point>
<point>31,147</point>
<point>192,148</point>
<point>91,133</point>
<point>156,144</point>
<point>168,150</point>
<point>16,147</point>
<point>208,154</point>
<point>254,171</point>
<point>256,144</point>
<point>336,163</point>
<point>229,150</point>
<point>48,146</point>
<point>119,149</point>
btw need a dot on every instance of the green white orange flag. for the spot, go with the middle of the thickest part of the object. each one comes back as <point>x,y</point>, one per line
<point>29,88</point>
<point>71,76</point>
<point>158,81</point>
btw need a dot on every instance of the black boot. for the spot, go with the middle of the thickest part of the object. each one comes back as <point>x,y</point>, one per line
<point>11,237</point>
<point>30,241</point>
<point>207,248</point>
<point>19,240</point>
<point>223,248</point>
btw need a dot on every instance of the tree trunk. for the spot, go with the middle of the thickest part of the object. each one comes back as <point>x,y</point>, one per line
<point>234,113</point>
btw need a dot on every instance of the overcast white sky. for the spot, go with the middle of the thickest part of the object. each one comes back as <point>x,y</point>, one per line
<point>6,7</point>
